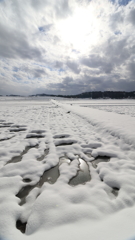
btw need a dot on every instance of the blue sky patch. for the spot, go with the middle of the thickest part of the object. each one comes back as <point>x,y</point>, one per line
<point>118,32</point>
<point>61,70</point>
<point>124,2</point>
<point>17,77</point>
<point>121,2</point>
<point>15,69</point>
<point>45,28</point>
<point>41,29</point>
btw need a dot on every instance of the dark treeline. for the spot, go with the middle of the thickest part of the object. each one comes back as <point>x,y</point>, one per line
<point>95,95</point>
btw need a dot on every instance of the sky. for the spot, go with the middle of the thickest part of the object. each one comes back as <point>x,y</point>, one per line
<point>66,46</point>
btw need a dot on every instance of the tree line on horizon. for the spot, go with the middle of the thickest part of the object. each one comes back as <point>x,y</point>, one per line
<point>91,95</point>
<point>96,94</point>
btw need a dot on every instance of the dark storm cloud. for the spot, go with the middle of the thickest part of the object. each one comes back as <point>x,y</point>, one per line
<point>78,85</point>
<point>35,72</point>
<point>67,81</point>
<point>131,16</point>
<point>125,85</point>
<point>58,64</point>
<point>96,61</point>
<point>131,68</point>
<point>87,83</point>
<point>14,44</point>
<point>115,53</point>
<point>39,73</point>
<point>119,85</point>
<point>117,50</point>
<point>73,66</point>
<point>122,17</point>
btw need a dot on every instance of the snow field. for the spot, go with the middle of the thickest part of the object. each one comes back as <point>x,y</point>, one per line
<point>51,135</point>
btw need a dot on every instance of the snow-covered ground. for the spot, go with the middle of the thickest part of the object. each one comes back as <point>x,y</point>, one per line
<point>67,169</point>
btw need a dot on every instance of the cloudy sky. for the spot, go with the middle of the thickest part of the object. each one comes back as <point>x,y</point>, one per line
<point>66,46</point>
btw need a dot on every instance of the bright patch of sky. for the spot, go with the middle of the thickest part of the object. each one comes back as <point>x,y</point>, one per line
<point>86,44</point>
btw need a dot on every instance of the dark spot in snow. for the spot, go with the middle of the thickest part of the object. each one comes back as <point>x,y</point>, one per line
<point>46,151</point>
<point>100,159</point>
<point>4,139</point>
<point>19,158</point>
<point>22,194</point>
<point>37,131</point>
<point>21,226</point>
<point>49,176</point>
<point>61,136</point>
<point>4,126</point>
<point>35,135</point>
<point>101,179</point>
<point>115,191</point>
<point>88,154</point>
<point>19,126</point>
<point>17,129</point>
<point>38,195</point>
<point>26,180</point>
<point>64,143</point>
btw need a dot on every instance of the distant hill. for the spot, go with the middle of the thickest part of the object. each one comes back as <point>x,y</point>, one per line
<point>12,95</point>
<point>95,95</point>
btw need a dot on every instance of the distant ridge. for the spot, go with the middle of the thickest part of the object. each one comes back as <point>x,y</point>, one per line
<point>94,95</point>
<point>13,95</point>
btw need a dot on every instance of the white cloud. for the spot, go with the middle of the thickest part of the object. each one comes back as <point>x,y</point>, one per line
<point>44,44</point>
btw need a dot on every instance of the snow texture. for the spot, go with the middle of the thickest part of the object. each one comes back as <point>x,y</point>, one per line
<point>67,171</point>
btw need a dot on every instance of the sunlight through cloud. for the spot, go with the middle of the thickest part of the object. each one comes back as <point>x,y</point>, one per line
<point>82,29</point>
